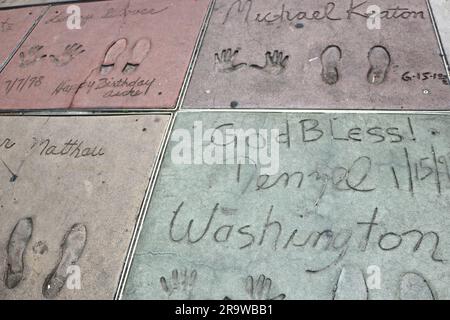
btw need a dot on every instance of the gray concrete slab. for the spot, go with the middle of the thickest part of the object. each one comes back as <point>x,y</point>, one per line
<point>70,191</point>
<point>356,206</point>
<point>319,54</point>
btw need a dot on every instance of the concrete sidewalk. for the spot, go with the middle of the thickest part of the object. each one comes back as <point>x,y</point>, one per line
<point>226,149</point>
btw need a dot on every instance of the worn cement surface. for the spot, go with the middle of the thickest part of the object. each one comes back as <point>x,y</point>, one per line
<point>124,55</point>
<point>14,26</point>
<point>99,183</point>
<point>340,215</point>
<point>257,76</point>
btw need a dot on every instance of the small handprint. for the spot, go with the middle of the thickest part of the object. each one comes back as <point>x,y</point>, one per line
<point>32,56</point>
<point>275,63</point>
<point>260,289</point>
<point>225,61</point>
<point>180,286</point>
<point>69,53</point>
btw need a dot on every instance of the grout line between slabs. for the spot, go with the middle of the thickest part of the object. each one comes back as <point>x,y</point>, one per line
<point>25,37</point>
<point>195,54</point>
<point>51,4</point>
<point>159,159</point>
<point>144,208</point>
<point>439,39</point>
<point>318,111</point>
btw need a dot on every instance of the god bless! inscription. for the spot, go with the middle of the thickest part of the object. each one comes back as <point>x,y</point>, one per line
<point>375,163</point>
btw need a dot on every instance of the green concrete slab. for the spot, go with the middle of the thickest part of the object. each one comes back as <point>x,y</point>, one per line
<point>355,206</point>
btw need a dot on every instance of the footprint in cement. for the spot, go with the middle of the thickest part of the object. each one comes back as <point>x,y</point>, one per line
<point>414,286</point>
<point>17,244</point>
<point>112,54</point>
<point>330,58</point>
<point>351,285</point>
<point>71,250</point>
<point>380,60</point>
<point>140,51</point>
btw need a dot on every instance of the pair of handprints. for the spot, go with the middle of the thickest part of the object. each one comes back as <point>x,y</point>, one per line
<point>351,284</point>
<point>225,62</point>
<point>180,286</point>
<point>36,53</point>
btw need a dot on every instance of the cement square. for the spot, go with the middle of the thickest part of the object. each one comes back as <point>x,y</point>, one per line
<point>126,54</point>
<point>14,26</point>
<point>319,206</point>
<point>441,11</point>
<point>62,171</point>
<point>274,53</point>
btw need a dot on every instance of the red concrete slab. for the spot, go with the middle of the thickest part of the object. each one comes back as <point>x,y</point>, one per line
<point>20,3</point>
<point>14,25</point>
<point>127,54</point>
<point>309,54</point>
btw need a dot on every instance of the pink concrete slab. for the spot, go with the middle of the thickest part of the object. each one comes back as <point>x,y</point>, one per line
<point>127,54</point>
<point>20,3</point>
<point>14,26</point>
<point>270,54</point>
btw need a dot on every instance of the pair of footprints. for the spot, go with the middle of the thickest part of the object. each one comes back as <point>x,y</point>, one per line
<point>379,60</point>
<point>181,285</point>
<point>139,52</point>
<point>71,250</point>
<point>351,285</point>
